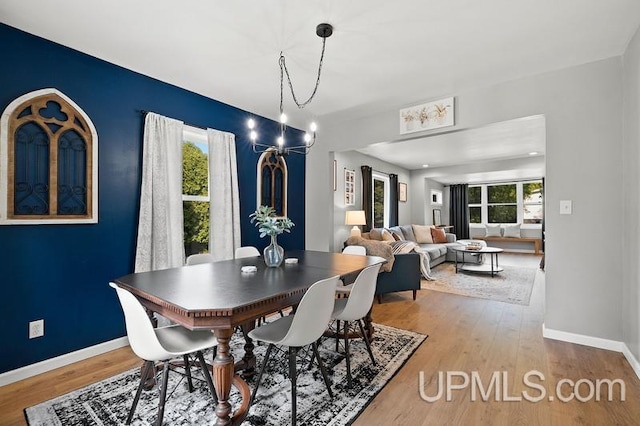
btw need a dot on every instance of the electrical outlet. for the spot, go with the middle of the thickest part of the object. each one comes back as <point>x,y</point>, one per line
<point>36,329</point>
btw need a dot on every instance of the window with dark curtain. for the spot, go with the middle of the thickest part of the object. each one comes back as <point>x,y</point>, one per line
<point>459,210</point>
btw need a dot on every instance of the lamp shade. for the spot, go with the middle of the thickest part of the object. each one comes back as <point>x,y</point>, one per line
<point>355,217</point>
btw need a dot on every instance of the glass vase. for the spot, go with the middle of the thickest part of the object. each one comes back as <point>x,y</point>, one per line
<point>273,253</point>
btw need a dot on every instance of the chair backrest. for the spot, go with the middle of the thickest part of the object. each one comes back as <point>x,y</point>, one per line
<point>142,336</point>
<point>196,259</point>
<point>361,295</point>
<point>247,251</point>
<point>312,314</point>
<point>359,250</point>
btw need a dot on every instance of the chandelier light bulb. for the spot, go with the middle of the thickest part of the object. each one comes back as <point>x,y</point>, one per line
<point>251,124</point>
<point>253,135</point>
<point>307,138</point>
<point>313,126</point>
<point>283,118</point>
<point>280,141</point>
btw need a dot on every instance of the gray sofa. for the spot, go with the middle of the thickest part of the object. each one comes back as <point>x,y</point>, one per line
<point>437,252</point>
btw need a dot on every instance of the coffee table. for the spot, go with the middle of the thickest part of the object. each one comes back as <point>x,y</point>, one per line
<point>493,268</point>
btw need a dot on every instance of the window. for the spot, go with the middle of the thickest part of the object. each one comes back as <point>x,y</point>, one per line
<point>195,191</point>
<point>380,201</point>
<point>502,204</point>
<point>475,207</point>
<point>513,202</point>
<point>532,200</point>
<point>49,161</point>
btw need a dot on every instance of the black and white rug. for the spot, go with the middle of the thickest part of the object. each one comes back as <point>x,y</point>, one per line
<point>108,402</point>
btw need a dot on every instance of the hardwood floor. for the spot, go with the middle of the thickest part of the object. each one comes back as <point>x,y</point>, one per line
<point>465,335</point>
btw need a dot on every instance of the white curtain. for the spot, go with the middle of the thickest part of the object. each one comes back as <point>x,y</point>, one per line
<point>160,225</point>
<point>224,232</point>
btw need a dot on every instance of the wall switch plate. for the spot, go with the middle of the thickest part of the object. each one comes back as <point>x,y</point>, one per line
<point>36,329</point>
<point>565,206</point>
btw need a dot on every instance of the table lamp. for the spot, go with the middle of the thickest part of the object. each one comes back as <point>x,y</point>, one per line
<point>355,218</point>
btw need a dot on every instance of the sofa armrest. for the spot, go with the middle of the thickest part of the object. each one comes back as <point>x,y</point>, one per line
<point>451,238</point>
<point>405,275</point>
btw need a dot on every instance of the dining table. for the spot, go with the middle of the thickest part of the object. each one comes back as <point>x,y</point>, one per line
<point>220,296</point>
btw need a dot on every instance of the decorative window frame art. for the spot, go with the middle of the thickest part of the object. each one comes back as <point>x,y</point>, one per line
<point>428,116</point>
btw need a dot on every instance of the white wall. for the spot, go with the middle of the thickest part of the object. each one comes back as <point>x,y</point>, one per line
<point>352,160</point>
<point>583,109</point>
<point>631,200</point>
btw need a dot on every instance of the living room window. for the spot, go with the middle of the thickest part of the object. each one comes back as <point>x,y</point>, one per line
<point>380,193</point>
<point>195,190</point>
<point>511,202</point>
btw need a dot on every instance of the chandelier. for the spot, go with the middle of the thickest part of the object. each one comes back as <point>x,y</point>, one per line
<point>323,31</point>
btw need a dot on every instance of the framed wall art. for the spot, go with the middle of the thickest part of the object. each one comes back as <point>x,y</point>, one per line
<point>349,187</point>
<point>402,192</point>
<point>431,115</point>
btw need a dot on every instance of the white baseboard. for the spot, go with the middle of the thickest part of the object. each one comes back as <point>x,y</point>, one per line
<point>595,342</point>
<point>60,361</point>
<point>632,360</point>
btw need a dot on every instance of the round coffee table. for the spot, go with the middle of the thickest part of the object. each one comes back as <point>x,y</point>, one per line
<point>493,268</point>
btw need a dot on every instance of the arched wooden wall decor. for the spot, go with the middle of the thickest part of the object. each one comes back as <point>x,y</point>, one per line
<point>49,159</point>
<point>272,182</point>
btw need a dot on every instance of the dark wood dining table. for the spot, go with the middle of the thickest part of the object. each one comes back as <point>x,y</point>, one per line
<point>219,296</point>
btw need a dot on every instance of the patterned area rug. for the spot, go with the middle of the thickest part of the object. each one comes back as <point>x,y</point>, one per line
<point>513,285</point>
<point>108,402</point>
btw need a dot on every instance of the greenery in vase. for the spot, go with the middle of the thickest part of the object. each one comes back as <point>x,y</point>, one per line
<point>268,223</point>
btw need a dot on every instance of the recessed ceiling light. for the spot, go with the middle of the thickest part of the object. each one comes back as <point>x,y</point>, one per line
<point>533,153</point>
<point>425,165</point>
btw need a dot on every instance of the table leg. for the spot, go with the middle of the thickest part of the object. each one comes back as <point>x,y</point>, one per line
<point>248,363</point>
<point>491,256</point>
<point>224,378</point>
<point>368,325</point>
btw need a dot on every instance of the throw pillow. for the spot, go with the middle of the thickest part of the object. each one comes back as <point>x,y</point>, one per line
<point>386,236</point>
<point>407,233</point>
<point>423,234</point>
<point>512,231</point>
<point>492,231</point>
<point>438,235</point>
<point>376,234</point>
<point>397,236</point>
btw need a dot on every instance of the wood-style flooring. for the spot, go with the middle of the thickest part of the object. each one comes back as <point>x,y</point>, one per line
<point>465,335</point>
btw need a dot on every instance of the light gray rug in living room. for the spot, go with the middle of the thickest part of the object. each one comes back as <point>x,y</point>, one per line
<point>513,285</point>
<point>108,402</point>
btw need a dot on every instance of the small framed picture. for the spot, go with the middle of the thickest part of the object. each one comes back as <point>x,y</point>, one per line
<point>437,218</point>
<point>402,192</point>
<point>335,175</point>
<point>349,187</point>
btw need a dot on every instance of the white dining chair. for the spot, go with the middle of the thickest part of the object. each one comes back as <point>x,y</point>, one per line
<point>162,344</point>
<point>196,259</point>
<point>298,330</point>
<point>353,310</point>
<point>344,290</point>
<point>247,251</point>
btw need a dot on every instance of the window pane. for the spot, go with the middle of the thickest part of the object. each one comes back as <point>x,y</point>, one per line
<point>532,213</point>
<point>501,193</point>
<point>532,192</point>
<point>195,169</point>
<point>503,214</point>
<point>475,215</point>
<point>474,194</point>
<point>378,203</point>
<point>196,227</point>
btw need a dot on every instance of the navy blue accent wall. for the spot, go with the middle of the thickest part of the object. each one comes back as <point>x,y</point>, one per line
<point>61,272</point>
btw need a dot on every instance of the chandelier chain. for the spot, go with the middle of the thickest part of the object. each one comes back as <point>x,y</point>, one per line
<point>284,70</point>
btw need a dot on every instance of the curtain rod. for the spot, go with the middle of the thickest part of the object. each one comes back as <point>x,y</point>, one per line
<point>144,113</point>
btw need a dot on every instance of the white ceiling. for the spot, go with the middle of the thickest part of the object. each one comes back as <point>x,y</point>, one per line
<point>382,54</point>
